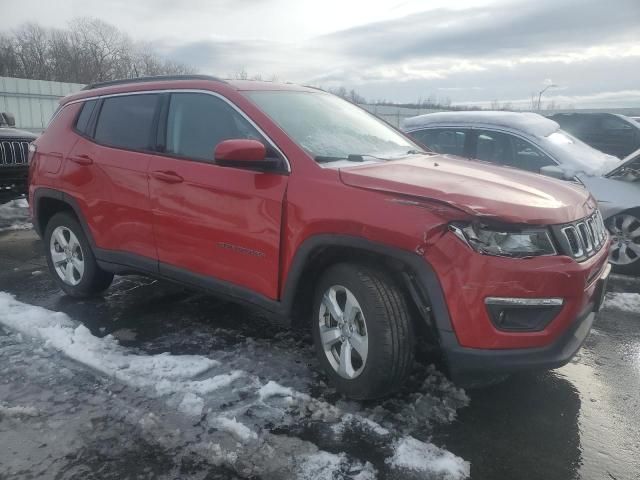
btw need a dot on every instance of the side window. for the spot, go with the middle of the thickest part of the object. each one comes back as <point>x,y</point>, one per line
<point>493,147</point>
<point>442,140</point>
<point>127,121</point>
<point>82,122</point>
<point>197,122</point>
<point>529,157</point>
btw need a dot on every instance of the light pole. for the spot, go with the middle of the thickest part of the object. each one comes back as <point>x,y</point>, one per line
<point>551,85</point>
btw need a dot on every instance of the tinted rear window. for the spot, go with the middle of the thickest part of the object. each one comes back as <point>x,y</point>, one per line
<point>85,115</point>
<point>127,121</point>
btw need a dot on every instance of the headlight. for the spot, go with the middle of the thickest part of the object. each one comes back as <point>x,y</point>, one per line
<point>504,242</point>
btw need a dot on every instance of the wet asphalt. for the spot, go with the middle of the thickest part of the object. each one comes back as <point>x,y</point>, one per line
<point>579,422</point>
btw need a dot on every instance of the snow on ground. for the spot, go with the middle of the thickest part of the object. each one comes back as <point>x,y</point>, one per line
<point>416,456</point>
<point>251,423</point>
<point>17,411</point>
<point>629,302</point>
<point>14,215</point>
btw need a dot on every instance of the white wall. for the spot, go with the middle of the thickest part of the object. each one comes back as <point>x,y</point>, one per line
<point>32,101</point>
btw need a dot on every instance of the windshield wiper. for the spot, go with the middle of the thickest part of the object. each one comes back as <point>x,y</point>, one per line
<point>349,158</point>
<point>417,152</point>
<point>361,157</point>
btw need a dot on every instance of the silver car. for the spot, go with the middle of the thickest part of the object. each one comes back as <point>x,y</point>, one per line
<point>532,142</point>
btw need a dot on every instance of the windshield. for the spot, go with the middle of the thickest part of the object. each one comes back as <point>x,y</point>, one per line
<point>332,129</point>
<point>576,157</point>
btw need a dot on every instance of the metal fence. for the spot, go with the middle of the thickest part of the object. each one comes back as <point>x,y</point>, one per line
<point>32,101</point>
<point>396,115</point>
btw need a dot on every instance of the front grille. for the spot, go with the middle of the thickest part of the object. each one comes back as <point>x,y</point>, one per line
<point>14,152</point>
<point>584,238</point>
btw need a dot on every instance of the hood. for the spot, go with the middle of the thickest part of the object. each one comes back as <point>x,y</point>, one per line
<point>632,157</point>
<point>478,188</point>
<point>10,132</point>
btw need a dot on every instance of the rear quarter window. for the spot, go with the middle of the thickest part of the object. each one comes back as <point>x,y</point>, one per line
<point>82,122</point>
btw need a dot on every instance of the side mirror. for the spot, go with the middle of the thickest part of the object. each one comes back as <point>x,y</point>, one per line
<point>8,118</point>
<point>244,153</point>
<point>553,171</point>
<point>240,150</point>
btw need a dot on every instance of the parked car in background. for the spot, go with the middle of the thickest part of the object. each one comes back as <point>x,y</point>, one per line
<point>14,158</point>
<point>295,200</point>
<point>529,141</point>
<point>608,132</point>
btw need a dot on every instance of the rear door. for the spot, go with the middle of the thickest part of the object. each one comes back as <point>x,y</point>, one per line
<point>106,172</point>
<point>212,222</point>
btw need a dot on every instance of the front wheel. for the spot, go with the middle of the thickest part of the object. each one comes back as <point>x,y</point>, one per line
<point>362,331</point>
<point>625,242</point>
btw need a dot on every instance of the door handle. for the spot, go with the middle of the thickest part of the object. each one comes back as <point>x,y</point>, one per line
<point>168,177</point>
<point>81,159</point>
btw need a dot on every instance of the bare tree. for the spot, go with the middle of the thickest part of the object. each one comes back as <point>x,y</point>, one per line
<point>89,50</point>
<point>241,74</point>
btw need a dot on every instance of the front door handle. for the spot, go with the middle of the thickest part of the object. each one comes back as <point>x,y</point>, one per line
<point>168,177</point>
<point>81,159</point>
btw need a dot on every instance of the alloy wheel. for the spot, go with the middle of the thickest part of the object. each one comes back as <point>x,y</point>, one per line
<point>625,241</point>
<point>343,332</point>
<point>67,256</point>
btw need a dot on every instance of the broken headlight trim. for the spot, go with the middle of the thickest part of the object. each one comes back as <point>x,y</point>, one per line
<point>503,242</point>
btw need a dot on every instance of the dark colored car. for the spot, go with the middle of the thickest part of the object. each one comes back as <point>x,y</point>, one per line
<point>297,201</point>
<point>14,155</point>
<point>608,132</point>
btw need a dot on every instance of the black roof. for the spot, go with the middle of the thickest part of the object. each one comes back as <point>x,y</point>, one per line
<point>157,78</point>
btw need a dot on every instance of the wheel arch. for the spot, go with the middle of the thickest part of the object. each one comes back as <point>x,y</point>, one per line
<point>47,202</point>
<point>415,274</point>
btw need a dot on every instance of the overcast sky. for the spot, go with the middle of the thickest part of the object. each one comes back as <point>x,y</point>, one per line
<point>468,50</point>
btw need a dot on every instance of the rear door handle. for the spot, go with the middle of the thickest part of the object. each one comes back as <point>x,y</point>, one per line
<point>81,159</point>
<point>168,177</point>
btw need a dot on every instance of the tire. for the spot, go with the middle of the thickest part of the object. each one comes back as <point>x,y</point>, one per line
<point>83,282</point>
<point>381,316</point>
<point>624,228</point>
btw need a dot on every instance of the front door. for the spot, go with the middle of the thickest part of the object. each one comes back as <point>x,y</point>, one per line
<point>213,222</point>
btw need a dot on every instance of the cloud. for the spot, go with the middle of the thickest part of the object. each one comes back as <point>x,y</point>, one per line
<point>493,31</point>
<point>471,50</point>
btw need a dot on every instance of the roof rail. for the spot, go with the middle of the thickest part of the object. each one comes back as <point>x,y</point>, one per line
<point>156,78</point>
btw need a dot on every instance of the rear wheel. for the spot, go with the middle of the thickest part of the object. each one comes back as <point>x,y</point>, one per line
<point>625,242</point>
<point>71,260</point>
<point>362,331</point>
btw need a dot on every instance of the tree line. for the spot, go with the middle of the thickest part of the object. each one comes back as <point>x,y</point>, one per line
<point>88,51</point>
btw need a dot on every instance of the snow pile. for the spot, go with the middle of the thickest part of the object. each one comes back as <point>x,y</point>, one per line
<point>241,432</point>
<point>324,465</point>
<point>17,411</point>
<point>102,354</point>
<point>629,302</point>
<point>238,408</point>
<point>14,215</point>
<point>415,456</point>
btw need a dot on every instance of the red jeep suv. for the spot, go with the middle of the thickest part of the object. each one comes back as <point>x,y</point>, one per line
<point>299,202</point>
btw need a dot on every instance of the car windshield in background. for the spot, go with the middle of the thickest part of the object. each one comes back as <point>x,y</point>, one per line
<point>332,129</point>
